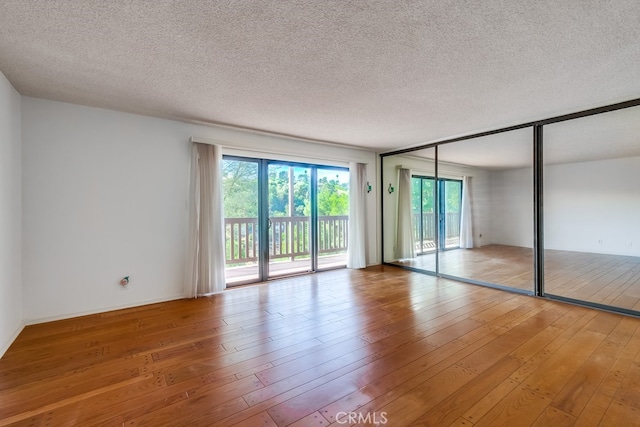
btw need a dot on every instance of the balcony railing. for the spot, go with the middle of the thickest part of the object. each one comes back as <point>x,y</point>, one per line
<point>452,224</point>
<point>289,237</point>
<point>452,230</point>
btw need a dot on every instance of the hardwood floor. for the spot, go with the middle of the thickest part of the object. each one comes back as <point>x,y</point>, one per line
<point>599,278</point>
<point>498,264</point>
<point>338,348</point>
<point>605,279</point>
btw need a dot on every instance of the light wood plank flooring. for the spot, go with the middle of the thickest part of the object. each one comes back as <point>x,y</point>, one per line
<point>337,348</point>
<point>604,279</point>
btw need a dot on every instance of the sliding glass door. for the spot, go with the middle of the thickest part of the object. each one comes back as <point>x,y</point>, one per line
<point>333,217</point>
<point>241,196</point>
<point>289,221</point>
<point>450,193</point>
<point>283,218</point>
<point>424,207</point>
<point>424,214</point>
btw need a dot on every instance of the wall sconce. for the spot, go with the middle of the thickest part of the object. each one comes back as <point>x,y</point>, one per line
<point>368,187</point>
<point>390,189</point>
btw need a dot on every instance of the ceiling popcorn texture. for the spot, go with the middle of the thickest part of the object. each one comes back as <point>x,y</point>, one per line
<point>376,74</point>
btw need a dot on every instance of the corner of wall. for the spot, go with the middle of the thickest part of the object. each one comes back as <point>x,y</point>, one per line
<point>11,283</point>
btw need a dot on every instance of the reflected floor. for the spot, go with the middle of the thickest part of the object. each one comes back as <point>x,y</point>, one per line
<point>503,265</point>
<point>605,279</point>
<point>599,278</point>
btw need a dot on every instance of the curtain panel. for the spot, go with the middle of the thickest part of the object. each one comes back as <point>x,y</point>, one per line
<point>356,249</point>
<point>405,241</point>
<point>206,248</point>
<point>466,218</point>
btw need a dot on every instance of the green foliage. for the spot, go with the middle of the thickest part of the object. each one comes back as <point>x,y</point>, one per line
<point>452,194</point>
<point>333,196</point>
<point>240,190</point>
<point>280,187</point>
<point>427,198</point>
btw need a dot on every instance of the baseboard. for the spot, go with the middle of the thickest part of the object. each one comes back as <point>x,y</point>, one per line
<point>5,346</point>
<point>98,311</point>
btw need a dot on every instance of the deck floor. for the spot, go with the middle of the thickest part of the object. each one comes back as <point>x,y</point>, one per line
<point>282,267</point>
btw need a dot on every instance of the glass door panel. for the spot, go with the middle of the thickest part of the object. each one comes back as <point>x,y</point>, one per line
<point>451,196</point>
<point>283,218</point>
<point>424,216</point>
<point>333,217</point>
<point>289,219</point>
<point>240,200</point>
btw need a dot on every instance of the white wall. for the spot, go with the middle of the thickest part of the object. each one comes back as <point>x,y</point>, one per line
<point>105,196</point>
<point>480,197</point>
<point>512,207</point>
<point>593,206</point>
<point>588,207</point>
<point>11,314</point>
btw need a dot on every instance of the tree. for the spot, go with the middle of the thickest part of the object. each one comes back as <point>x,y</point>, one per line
<point>240,189</point>
<point>333,197</point>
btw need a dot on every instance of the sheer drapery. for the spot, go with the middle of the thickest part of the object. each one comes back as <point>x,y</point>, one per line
<point>405,245</point>
<point>356,251</point>
<point>466,219</point>
<point>205,253</point>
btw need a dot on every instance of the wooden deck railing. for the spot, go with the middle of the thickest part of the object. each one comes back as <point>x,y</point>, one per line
<point>289,237</point>
<point>241,236</point>
<point>429,225</point>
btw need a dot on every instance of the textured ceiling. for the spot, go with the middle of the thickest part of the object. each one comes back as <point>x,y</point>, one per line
<point>611,135</point>
<point>376,74</point>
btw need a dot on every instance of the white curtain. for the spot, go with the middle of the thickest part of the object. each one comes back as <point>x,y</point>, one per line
<point>205,254</point>
<point>466,218</point>
<point>405,245</point>
<point>356,252</point>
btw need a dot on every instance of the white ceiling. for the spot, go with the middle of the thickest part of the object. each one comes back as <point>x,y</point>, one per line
<point>380,74</point>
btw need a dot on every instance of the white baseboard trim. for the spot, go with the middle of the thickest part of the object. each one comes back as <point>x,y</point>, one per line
<point>100,310</point>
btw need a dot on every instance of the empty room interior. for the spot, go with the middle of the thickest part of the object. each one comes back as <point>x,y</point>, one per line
<point>303,213</point>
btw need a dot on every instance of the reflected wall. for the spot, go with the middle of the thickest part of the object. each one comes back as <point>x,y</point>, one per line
<point>591,206</point>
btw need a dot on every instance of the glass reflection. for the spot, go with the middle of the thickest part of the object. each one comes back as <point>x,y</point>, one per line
<point>496,220</point>
<point>471,217</point>
<point>591,201</point>
<point>410,210</point>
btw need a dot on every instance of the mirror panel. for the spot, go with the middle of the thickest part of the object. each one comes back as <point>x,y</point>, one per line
<point>591,205</point>
<point>495,213</point>
<point>410,210</point>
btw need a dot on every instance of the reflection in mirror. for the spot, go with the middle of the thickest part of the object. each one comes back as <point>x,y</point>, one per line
<point>491,215</point>
<point>469,218</point>
<point>591,205</point>
<point>409,210</point>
